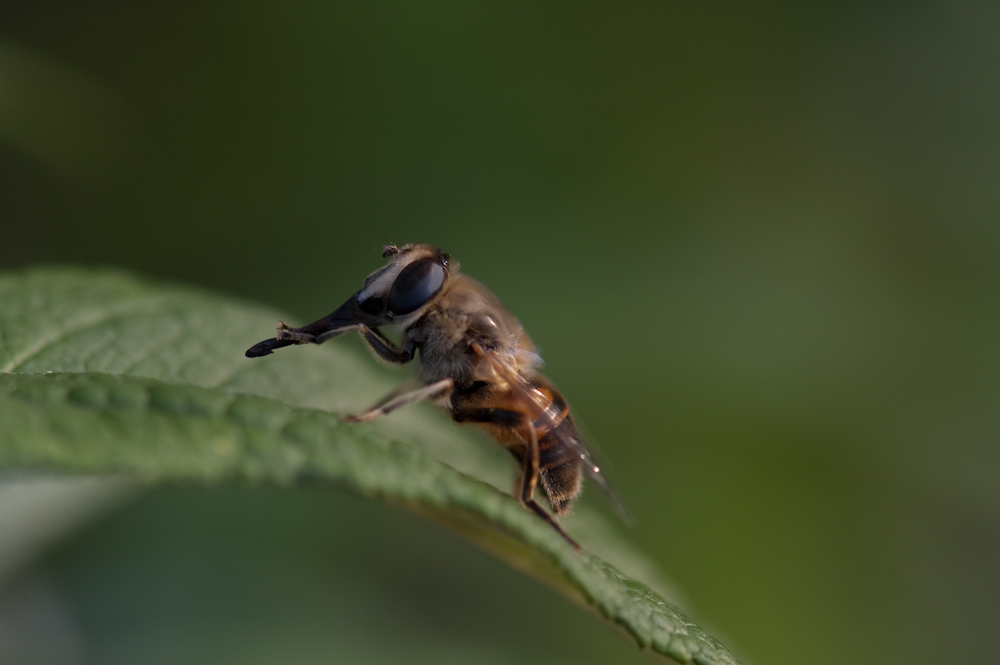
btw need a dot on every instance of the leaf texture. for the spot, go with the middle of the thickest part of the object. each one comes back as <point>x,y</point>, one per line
<point>105,374</point>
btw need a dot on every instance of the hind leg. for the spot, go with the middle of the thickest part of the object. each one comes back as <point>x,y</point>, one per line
<point>530,463</point>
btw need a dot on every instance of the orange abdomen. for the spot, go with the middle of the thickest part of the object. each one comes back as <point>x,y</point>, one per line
<point>560,471</point>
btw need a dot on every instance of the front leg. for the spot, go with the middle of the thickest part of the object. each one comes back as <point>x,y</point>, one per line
<point>286,336</point>
<point>385,349</point>
<point>297,335</point>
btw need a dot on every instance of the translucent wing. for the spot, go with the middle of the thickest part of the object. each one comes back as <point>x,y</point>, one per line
<point>545,413</point>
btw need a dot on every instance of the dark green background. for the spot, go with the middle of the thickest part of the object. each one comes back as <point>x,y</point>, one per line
<point>759,247</point>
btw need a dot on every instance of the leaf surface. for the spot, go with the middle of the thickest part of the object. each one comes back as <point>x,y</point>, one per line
<point>104,374</point>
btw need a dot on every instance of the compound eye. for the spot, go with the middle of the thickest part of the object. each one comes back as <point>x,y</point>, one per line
<point>416,284</point>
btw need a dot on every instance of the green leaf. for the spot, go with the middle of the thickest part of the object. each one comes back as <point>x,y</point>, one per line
<point>108,374</point>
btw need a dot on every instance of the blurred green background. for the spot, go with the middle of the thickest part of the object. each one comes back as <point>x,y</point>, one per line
<point>758,246</point>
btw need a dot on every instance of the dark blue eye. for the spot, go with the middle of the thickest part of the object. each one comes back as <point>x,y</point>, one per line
<point>416,284</point>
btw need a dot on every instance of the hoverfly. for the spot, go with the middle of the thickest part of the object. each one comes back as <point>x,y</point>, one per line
<point>475,361</point>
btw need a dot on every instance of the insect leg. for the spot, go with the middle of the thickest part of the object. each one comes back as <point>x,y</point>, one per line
<point>287,333</point>
<point>529,478</point>
<point>402,400</point>
<point>530,470</point>
<point>385,349</point>
<point>403,388</point>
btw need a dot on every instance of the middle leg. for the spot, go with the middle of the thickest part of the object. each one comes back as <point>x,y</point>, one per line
<point>409,398</point>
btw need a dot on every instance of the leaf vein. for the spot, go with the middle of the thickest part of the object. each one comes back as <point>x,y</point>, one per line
<point>84,322</point>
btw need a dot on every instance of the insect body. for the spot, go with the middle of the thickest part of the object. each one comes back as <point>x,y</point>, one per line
<point>475,360</point>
